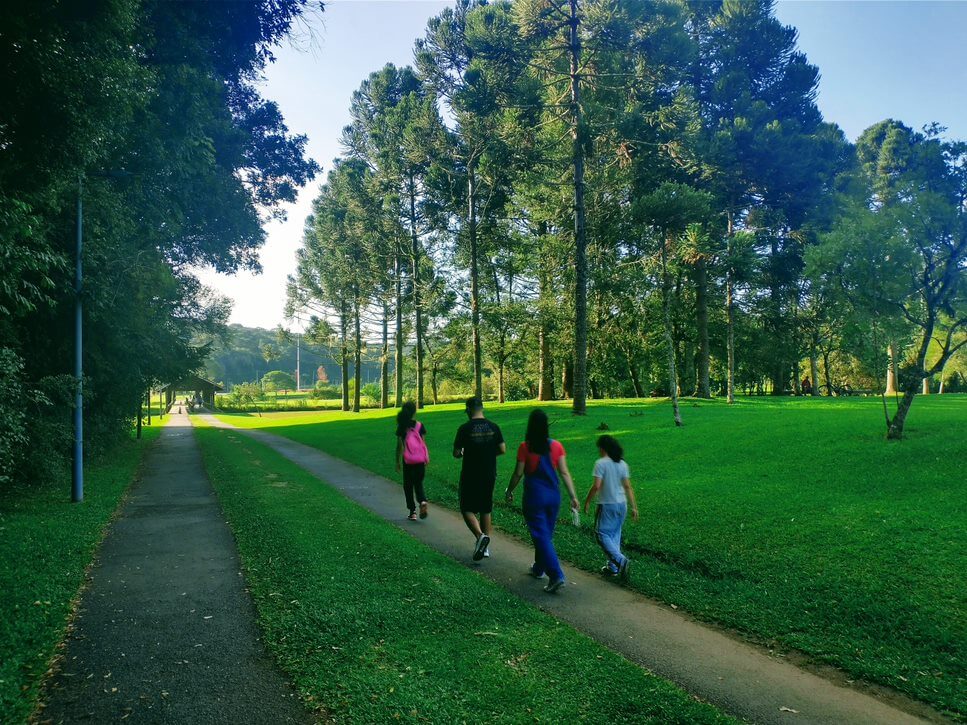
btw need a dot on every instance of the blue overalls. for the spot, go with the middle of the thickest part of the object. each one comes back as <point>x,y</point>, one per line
<point>542,501</point>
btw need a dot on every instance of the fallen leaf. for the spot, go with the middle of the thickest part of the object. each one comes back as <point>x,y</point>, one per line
<point>788,709</point>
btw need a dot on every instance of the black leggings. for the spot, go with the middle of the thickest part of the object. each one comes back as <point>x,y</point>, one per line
<point>413,474</point>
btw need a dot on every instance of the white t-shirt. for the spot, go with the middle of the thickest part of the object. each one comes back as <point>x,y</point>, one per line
<point>611,475</point>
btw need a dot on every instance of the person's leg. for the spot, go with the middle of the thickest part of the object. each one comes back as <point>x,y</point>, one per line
<point>419,477</point>
<point>607,526</point>
<point>470,519</point>
<point>408,476</point>
<point>535,526</point>
<point>540,523</point>
<point>486,521</point>
<point>553,566</point>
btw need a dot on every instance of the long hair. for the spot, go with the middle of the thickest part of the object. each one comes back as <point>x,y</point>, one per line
<point>610,445</point>
<point>404,419</point>
<point>538,434</point>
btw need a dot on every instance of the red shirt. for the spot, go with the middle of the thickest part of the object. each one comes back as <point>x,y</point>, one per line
<point>532,460</point>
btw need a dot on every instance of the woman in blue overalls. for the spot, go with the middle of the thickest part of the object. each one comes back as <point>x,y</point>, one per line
<point>539,461</point>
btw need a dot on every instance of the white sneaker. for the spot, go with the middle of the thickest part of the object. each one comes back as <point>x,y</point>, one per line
<point>487,553</point>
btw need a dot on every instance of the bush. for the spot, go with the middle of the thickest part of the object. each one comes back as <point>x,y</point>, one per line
<point>13,419</point>
<point>325,391</point>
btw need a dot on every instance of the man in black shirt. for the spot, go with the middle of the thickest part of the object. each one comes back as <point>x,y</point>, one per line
<point>478,443</point>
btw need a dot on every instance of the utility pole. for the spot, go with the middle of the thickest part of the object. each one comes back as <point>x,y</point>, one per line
<point>298,350</point>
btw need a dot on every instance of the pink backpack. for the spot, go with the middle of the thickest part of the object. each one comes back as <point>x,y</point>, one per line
<point>414,447</point>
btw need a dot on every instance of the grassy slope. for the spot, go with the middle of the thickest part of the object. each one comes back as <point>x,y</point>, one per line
<point>46,543</point>
<point>791,520</point>
<point>373,626</point>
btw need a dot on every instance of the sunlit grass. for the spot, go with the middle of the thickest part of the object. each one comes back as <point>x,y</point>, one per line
<point>791,520</point>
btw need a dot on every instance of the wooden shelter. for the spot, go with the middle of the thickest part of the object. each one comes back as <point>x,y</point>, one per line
<point>197,386</point>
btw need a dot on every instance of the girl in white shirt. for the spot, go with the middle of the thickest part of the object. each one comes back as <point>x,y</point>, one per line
<point>612,485</point>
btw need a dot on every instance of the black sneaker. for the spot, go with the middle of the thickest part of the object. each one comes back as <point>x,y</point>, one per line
<point>482,543</point>
<point>623,569</point>
<point>606,570</point>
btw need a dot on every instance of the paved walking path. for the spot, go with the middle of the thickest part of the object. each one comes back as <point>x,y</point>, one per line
<point>166,632</point>
<point>737,677</point>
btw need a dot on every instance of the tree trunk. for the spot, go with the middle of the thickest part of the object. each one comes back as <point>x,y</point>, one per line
<point>814,368</point>
<point>580,240</point>
<point>344,356</point>
<point>701,313</point>
<point>635,380</point>
<point>398,353</point>
<point>545,390</point>
<point>433,384</point>
<point>688,385</point>
<point>357,356</point>
<point>926,386</point>
<point>501,366</point>
<point>891,370</point>
<point>666,288</point>
<point>567,378</point>
<point>474,281</point>
<point>796,385</point>
<point>384,361</point>
<point>149,405</point>
<point>895,431</point>
<point>826,376</point>
<point>730,314</point>
<point>417,305</point>
<point>940,391</point>
<point>140,413</point>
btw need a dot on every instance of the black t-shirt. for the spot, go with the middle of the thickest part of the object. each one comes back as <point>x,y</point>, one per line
<point>480,440</point>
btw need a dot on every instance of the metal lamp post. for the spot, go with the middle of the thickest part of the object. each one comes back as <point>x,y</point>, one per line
<point>77,471</point>
<point>77,477</point>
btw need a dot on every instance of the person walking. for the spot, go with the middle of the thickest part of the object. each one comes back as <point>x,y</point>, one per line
<point>478,443</point>
<point>542,462</point>
<point>612,486</point>
<point>412,457</point>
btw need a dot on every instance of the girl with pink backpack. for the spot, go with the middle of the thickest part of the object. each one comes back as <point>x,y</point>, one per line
<point>412,457</point>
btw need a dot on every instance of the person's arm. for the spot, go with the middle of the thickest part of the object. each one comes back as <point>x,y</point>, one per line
<point>514,479</point>
<point>592,492</point>
<point>630,494</point>
<point>501,449</point>
<point>566,475</point>
<point>458,444</point>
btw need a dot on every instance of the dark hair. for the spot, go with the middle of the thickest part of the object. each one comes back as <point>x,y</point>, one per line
<point>404,419</point>
<point>474,405</point>
<point>538,435</point>
<point>610,445</point>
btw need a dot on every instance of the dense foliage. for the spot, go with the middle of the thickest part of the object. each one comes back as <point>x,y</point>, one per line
<point>147,111</point>
<point>610,198</point>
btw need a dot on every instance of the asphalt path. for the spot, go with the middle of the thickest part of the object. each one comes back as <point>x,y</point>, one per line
<point>166,631</point>
<point>740,678</point>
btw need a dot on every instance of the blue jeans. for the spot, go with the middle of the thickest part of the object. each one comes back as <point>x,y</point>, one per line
<point>541,505</point>
<point>608,521</point>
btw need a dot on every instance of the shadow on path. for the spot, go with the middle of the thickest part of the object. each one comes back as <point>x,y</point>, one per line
<point>165,631</point>
<point>737,677</point>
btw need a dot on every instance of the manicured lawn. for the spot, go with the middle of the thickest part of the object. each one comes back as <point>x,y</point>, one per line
<point>790,520</point>
<point>373,626</point>
<point>46,543</point>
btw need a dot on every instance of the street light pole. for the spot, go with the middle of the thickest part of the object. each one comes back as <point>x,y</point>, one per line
<point>77,479</point>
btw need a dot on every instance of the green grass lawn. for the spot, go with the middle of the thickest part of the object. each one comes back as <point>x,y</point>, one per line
<point>790,520</point>
<point>373,626</point>
<point>46,543</point>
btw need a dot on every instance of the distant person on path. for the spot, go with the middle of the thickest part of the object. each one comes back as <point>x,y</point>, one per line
<point>540,461</point>
<point>612,486</point>
<point>478,442</point>
<point>807,386</point>
<point>412,457</point>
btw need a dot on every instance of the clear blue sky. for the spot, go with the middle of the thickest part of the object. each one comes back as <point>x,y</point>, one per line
<point>904,60</point>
